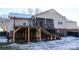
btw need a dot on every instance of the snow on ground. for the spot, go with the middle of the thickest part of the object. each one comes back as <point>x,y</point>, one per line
<point>3,39</point>
<point>66,43</point>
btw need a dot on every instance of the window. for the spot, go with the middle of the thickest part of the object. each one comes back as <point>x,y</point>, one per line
<point>24,24</point>
<point>60,23</point>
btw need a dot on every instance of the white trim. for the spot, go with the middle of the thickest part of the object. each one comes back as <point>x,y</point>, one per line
<point>45,20</point>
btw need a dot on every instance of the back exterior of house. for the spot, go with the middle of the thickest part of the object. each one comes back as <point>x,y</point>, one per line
<point>61,25</point>
<point>45,25</point>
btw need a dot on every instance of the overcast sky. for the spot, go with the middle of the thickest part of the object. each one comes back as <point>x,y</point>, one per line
<point>68,8</point>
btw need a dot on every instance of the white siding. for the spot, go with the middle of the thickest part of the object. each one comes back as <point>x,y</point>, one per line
<point>71,25</point>
<point>10,26</point>
<point>23,23</point>
<point>65,24</point>
<point>59,26</point>
<point>19,23</point>
<point>51,14</point>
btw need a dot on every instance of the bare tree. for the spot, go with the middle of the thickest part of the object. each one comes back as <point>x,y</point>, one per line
<point>3,23</point>
<point>37,11</point>
<point>30,10</point>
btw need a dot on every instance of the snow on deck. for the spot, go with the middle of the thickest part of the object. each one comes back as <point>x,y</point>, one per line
<point>66,43</point>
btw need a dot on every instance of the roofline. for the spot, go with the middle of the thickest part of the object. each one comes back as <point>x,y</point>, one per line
<point>71,21</point>
<point>47,11</point>
<point>42,12</point>
<point>18,18</point>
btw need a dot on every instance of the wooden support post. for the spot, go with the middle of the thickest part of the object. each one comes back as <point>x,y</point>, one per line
<point>17,29</point>
<point>51,37</point>
<point>13,36</point>
<point>40,34</point>
<point>28,34</point>
<point>48,37</point>
<point>37,35</point>
<point>25,35</point>
<point>55,37</point>
<point>14,31</point>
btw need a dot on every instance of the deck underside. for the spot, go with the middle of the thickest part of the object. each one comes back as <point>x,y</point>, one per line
<point>34,34</point>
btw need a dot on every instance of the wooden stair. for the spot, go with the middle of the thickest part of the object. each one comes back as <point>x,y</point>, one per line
<point>53,36</point>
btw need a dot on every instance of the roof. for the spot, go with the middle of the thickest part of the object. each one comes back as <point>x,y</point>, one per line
<point>51,10</point>
<point>70,21</point>
<point>19,15</point>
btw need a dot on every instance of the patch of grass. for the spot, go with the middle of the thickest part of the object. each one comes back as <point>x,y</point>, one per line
<point>5,47</point>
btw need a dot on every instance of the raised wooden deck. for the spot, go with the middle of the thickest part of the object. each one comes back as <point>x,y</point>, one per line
<point>30,34</point>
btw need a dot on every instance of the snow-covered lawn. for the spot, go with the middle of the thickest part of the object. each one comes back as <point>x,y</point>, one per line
<point>3,39</point>
<point>66,43</point>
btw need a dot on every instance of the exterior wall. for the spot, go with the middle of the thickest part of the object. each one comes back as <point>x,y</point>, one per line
<point>56,17</point>
<point>52,14</point>
<point>64,32</point>
<point>65,24</point>
<point>71,25</point>
<point>61,32</point>
<point>10,25</point>
<point>19,22</point>
<point>59,24</point>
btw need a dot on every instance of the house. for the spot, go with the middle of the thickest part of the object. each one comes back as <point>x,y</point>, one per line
<point>46,25</point>
<point>71,28</point>
<point>62,25</point>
